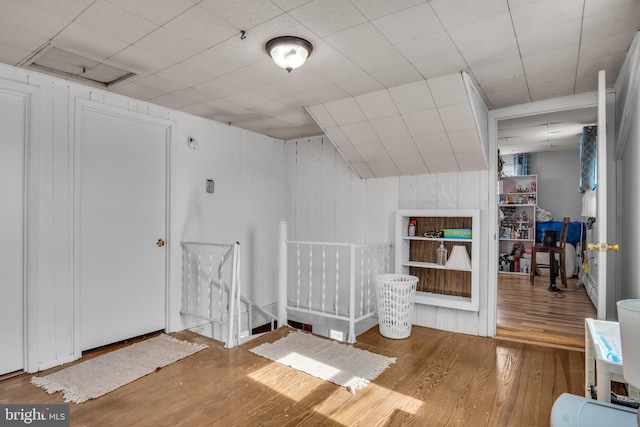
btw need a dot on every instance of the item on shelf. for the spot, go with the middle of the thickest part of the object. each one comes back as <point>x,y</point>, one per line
<point>457,233</point>
<point>442,254</point>
<point>459,258</point>
<point>434,234</point>
<point>412,228</point>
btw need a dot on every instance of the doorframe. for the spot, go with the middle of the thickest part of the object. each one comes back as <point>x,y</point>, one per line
<point>31,95</point>
<point>584,100</point>
<point>81,105</point>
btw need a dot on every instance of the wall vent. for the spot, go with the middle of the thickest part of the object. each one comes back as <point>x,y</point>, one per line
<point>51,59</point>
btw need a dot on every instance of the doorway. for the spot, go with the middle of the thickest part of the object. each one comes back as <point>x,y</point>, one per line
<point>544,314</point>
<point>121,224</point>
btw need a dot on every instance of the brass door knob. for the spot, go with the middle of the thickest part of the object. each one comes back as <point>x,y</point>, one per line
<point>603,247</point>
<point>160,243</point>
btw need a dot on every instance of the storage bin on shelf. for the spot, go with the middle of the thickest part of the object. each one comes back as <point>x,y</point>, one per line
<point>395,298</point>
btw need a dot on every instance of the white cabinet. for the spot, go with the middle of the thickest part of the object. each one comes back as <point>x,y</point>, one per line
<point>455,284</point>
<point>517,232</point>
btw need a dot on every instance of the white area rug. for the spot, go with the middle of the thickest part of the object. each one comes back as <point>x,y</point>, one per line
<point>100,375</point>
<point>329,360</point>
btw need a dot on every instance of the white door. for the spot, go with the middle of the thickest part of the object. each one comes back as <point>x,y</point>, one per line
<point>12,191</point>
<point>606,273</point>
<point>122,215</point>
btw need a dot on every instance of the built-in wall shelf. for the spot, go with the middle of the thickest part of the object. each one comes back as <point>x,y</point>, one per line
<point>453,286</point>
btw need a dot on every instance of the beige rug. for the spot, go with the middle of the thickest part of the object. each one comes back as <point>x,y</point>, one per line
<point>326,359</point>
<point>100,375</point>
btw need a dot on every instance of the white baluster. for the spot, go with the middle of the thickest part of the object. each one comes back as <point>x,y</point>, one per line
<point>309,305</point>
<point>324,277</point>
<point>337,277</point>
<point>299,284</point>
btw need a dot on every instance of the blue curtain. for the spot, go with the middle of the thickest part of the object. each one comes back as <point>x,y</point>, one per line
<point>588,159</point>
<point>521,164</point>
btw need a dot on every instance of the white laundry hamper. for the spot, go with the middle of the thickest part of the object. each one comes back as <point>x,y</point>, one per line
<point>395,295</point>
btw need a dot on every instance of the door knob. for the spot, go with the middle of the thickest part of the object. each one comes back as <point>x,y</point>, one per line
<point>160,243</point>
<point>603,247</point>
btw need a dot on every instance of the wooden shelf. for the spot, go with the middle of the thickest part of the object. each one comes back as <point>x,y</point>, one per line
<point>440,285</point>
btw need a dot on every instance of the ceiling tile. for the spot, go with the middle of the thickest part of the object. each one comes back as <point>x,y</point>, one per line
<point>483,31</point>
<point>549,38</point>
<point>336,135</point>
<point>169,45</point>
<point>383,168</point>
<point>158,12</point>
<point>460,12</point>
<point>199,24</point>
<point>171,101</point>
<point>412,97</point>
<point>377,104</point>
<point>432,145</point>
<point>363,170</point>
<point>157,82</point>
<point>411,166</point>
<point>218,88</point>
<point>390,128</point>
<point>533,16</point>
<point>409,24</point>
<point>510,97</point>
<point>185,75</point>
<point>294,117</point>
<point>325,17</point>
<point>372,152</point>
<point>345,111</point>
<point>115,22</point>
<point>327,93</point>
<point>37,20</point>
<point>247,99</point>
<point>340,71</point>
<point>398,76</point>
<point>401,149</point>
<point>242,14</point>
<point>471,161</point>
<point>89,42</point>
<point>373,9</point>
<point>378,60</point>
<point>426,122</point>
<point>322,116</point>
<point>448,90</point>
<point>441,163</point>
<point>446,64</point>
<point>427,48</point>
<point>139,60</point>
<point>359,85</point>
<point>288,5</point>
<point>360,133</point>
<point>464,140</point>
<point>351,154</point>
<point>21,38</point>
<point>209,63</point>
<point>269,108</point>
<point>192,95</point>
<point>457,117</point>
<point>68,9</point>
<point>357,40</point>
<point>12,55</point>
<point>485,55</point>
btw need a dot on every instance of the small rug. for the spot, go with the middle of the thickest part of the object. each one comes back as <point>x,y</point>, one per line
<point>100,375</point>
<point>329,360</point>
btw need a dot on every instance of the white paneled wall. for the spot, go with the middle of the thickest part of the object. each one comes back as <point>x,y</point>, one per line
<point>327,201</point>
<point>248,170</point>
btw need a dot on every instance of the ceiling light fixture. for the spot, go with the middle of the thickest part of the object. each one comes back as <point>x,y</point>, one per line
<point>289,52</point>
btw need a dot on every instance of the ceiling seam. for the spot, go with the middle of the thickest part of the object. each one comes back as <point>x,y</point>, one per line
<point>515,36</point>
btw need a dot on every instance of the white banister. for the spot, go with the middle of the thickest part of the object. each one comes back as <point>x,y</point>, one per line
<point>282,275</point>
<point>352,296</point>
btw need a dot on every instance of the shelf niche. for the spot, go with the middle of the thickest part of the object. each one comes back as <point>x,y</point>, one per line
<point>416,255</point>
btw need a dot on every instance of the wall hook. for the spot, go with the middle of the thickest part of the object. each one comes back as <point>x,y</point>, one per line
<point>243,34</point>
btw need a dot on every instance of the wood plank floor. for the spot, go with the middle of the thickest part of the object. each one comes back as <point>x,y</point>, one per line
<point>533,314</point>
<point>440,379</point>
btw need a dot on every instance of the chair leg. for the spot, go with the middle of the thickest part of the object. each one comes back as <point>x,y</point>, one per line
<point>532,273</point>
<point>563,271</point>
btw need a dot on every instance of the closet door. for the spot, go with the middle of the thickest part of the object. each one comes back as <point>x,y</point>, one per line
<point>13,121</point>
<point>121,202</point>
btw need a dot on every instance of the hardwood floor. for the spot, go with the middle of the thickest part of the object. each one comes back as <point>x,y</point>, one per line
<point>440,379</point>
<point>533,314</point>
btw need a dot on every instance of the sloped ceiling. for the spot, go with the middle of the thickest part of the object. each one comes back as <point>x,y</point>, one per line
<point>416,128</point>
